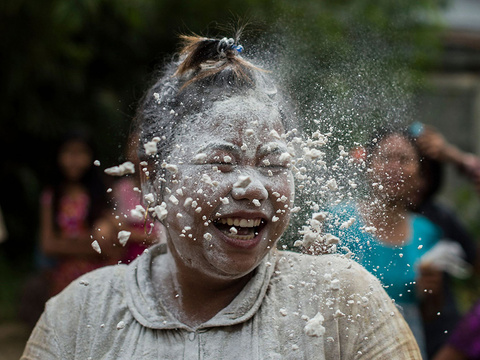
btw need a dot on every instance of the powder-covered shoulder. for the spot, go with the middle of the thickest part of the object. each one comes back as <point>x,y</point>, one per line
<point>104,285</point>
<point>337,269</point>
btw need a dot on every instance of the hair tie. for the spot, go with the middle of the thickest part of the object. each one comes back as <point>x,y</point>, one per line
<point>228,44</point>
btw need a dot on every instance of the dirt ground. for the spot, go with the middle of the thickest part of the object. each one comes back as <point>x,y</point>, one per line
<point>13,336</point>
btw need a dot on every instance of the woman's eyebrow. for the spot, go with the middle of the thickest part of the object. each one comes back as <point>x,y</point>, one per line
<point>272,148</point>
<point>228,147</point>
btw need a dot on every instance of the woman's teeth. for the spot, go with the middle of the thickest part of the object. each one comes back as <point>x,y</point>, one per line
<point>240,222</point>
<point>239,228</point>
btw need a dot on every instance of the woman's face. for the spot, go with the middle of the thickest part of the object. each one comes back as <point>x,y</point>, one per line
<point>230,200</point>
<point>74,159</point>
<point>395,167</point>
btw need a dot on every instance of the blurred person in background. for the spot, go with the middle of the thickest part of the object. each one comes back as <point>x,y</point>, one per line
<point>74,213</point>
<point>444,315</point>
<point>383,233</point>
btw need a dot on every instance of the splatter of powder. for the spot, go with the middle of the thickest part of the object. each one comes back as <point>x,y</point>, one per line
<point>314,327</point>
<point>123,237</point>
<point>126,168</point>
<point>96,247</point>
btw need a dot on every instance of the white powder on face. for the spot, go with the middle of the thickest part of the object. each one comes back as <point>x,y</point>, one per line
<point>200,158</point>
<point>243,181</point>
<point>126,168</point>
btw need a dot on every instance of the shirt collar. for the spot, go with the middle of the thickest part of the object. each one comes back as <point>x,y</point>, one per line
<point>148,311</point>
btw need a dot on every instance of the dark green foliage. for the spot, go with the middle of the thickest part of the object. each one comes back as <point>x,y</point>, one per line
<point>70,63</point>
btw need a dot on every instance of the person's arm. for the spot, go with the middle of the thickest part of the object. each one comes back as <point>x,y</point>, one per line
<point>42,343</point>
<point>449,353</point>
<point>430,291</point>
<point>434,145</point>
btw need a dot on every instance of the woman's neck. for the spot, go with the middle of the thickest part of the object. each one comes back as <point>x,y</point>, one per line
<point>191,296</point>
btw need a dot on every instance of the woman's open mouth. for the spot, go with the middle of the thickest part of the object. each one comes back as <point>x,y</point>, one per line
<point>240,228</point>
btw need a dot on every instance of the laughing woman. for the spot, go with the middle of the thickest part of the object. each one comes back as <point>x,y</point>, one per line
<point>217,175</point>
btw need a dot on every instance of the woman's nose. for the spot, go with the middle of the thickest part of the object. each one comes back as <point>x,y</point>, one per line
<point>249,187</point>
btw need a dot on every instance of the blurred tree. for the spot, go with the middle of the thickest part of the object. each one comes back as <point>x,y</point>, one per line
<point>67,63</point>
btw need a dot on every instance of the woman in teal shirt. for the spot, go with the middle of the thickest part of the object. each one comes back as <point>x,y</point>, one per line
<point>384,236</point>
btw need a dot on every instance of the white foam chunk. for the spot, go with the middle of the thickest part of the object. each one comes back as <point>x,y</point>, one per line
<point>123,169</point>
<point>123,237</point>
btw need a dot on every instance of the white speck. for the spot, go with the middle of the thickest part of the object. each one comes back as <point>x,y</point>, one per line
<point>126,168</point>
<point>227,159</point>
<point>298,243</point>
<point>347,223</point>
<point>233,230</point>
<point>188,202</point>
<point>207,236</point>
<point>173,200</point>
<point>274,133</point>
<point>320,216</point>
<point>296,209</point>
<point>198,210</point>
<point>275,219</point>
<point>335,284</point>
<point>172,112</point>
<point>283,311</point>
<point>256,202</point>
<point>150,147</point>
<point>338,314</point>
<point>96,163</point>
<point>314,327</point>
<point>160,211</point>
<point>84,282</point>
<point>285,157</point>
<point>224,200</point>
<point>331,239</point>
<point>149,198</point>
<point>249,132</point>
<point>138,213</point>
<point>172,168</point>
<point>121,325</point>
<point>96,247</point>
<point>266,162</point>
<point>109,190</point>
<point>420,247</point>
<point>332,184</point>
<point>244,147</point>
<point>243,181</point>
<point>200,158</point>
<point>380,187</point>
<point>179,192</point>
<point>123,237</point>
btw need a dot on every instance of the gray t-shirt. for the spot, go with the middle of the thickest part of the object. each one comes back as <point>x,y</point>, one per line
<point>294,307</point>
